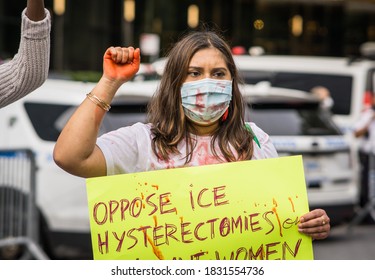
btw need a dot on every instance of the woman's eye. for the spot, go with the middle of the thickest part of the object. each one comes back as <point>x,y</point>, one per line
<point>193,73</point>
<point>219,74</point>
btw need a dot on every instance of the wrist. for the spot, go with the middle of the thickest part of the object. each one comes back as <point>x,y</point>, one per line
<point>105,90</point>
<point>110,84</point>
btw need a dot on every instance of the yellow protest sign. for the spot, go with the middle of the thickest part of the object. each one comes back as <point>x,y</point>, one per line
<point>231,211</point>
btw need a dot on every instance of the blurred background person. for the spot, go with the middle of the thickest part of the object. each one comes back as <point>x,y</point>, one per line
<point>364,129</point>
<point>326,101</point>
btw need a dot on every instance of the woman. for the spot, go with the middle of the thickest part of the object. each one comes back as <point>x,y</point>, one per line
<point>28,69</point>
<point>196,118</point>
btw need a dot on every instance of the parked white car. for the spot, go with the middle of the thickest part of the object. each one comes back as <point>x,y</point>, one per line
<point>347,80</point>
<point>297,125</point>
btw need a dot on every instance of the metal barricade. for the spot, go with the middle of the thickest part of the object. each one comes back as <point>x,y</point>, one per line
<point>19,222</point>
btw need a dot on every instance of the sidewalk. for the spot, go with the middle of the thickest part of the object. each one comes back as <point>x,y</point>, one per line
<point>340,245</point>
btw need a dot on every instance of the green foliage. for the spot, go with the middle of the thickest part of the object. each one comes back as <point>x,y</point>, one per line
<point>85,76</point>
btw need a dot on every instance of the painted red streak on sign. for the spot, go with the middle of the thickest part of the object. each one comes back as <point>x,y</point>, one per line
<point>277,216</point>
<point>156,250</point>
<point>143,198</point>
<point>291,202</point>
<point>155,220</point>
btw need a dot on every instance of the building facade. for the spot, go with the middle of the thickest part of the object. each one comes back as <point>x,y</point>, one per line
<point>85,28</point>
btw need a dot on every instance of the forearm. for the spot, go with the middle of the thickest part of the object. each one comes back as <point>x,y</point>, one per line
<point>360,132</point>
<point>75,150</point>
<point>75,146</point>
<point>35,10</point>
<point>29,68</point>
<point>34,51</point>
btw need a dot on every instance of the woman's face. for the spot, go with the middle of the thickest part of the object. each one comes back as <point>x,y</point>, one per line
<point>208,63</point>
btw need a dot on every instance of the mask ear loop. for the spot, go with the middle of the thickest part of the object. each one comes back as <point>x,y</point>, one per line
<point>225,115</point>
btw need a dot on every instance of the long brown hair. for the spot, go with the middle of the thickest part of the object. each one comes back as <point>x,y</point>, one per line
<point>165,112</point>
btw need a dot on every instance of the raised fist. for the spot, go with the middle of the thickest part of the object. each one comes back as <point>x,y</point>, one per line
<point>121,64</point>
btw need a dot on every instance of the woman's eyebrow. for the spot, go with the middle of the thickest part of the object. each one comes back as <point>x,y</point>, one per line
<point>195,67</point>
<point>213,69</point>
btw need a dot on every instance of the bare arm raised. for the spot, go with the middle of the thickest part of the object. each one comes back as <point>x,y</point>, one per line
<point>75,150</point>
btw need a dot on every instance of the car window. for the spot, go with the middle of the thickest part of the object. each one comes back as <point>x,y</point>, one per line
<point>45,126</point>
<point>340,86</point>
<point>124,115</point>
<point>279,119</point>
<point>49,128</point>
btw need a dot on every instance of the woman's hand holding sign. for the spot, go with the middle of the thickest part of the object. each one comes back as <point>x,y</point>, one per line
<point>315,224</point>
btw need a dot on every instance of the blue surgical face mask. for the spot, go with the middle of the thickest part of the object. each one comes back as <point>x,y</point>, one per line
<point>206,100</point>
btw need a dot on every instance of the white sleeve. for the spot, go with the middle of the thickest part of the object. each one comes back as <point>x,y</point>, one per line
<point>364,120</point>
<point>266,149</point>
<point>127,149</point>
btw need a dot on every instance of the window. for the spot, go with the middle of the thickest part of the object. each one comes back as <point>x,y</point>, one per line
<point>292,119</point>
<point>340,86</point>
<point>45,119</point>
<point>49,128</point>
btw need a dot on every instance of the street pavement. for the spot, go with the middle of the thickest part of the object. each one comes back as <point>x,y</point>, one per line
<point>358,243</point>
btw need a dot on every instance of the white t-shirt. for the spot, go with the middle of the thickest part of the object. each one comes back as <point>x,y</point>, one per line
<point>128,150</point>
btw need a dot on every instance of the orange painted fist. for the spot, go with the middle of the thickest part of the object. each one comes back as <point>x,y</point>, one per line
<point>120,63</point>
